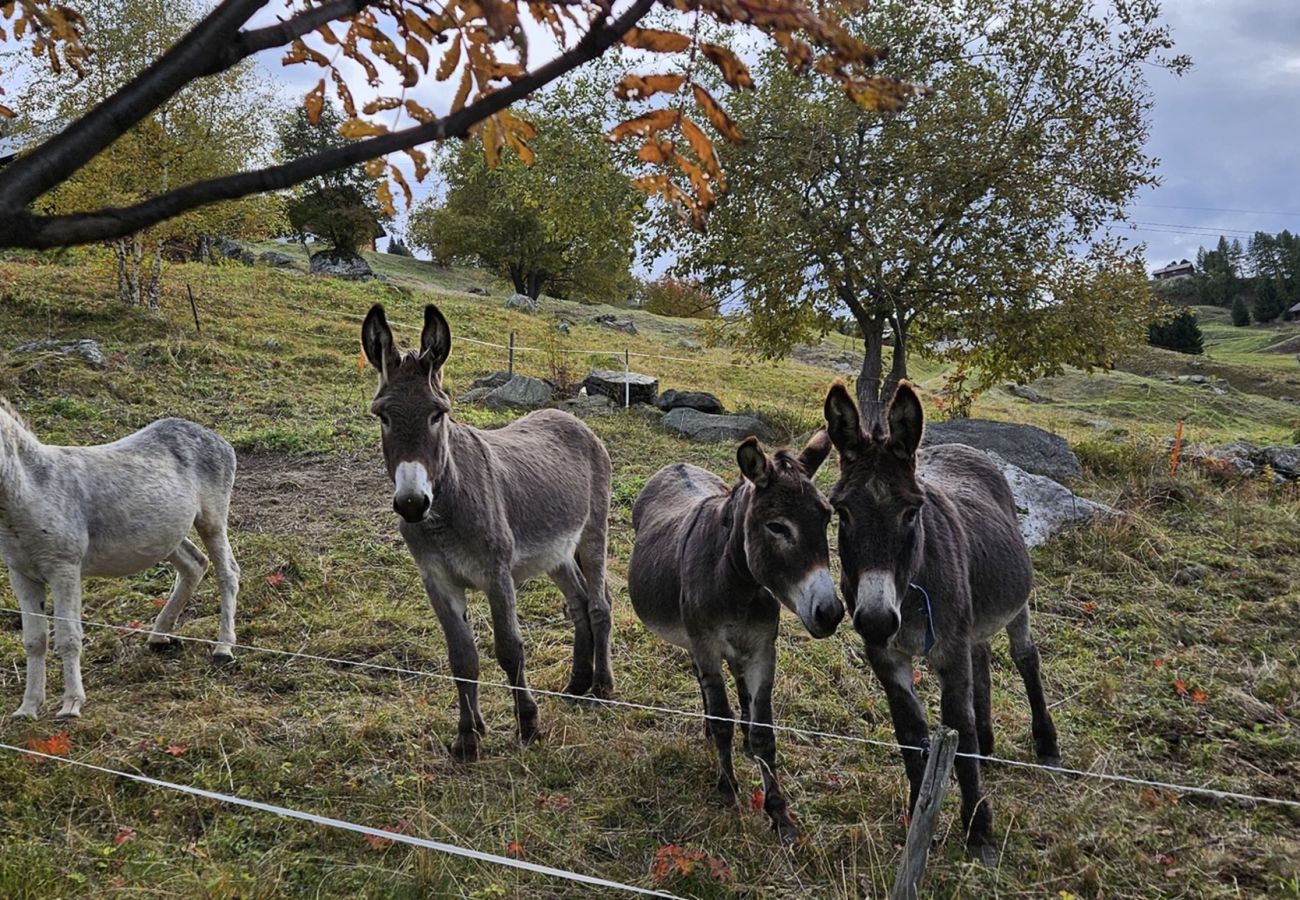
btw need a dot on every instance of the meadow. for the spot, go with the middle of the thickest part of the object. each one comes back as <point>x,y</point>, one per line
<point>1169,636</point>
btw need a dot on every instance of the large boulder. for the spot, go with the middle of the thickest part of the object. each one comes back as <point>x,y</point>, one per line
<point>701,400</point>
<point>334,264</point>
<point>620,386</point>
<point>520,392</point>
<point>1046,507</point>
<point>1030,448</point>
<point>698,426</point>
<point>85,348</point>
<point>614,322</point>
<point>522,302</point>
<point>225,248</point>
<point>1244,458</point>
<point>585,405</point>
<point>276,259</point>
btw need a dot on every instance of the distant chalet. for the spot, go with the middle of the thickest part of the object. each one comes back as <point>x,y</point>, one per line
<point>1180,269</point>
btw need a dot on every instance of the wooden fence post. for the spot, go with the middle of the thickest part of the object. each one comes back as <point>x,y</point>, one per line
<point>627,380</point>
<point>938,768</point>
<point>510,363</point>
<point>194,308</point>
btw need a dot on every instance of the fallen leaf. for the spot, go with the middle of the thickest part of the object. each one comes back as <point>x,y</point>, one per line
<point>1089,607</point>
<point>54,745</point>
<point>1199,696</point>
<point>123,835</point>
<point>377,842</point>
<point>916,677</point>
<point>756,799</point>
<point>275,579</point>
<point>160,602</point>
<point>135,624</point>
<point>1158,663</point>
<point>176,750</point>
<point>1180,687</point>
<point>515,849</point>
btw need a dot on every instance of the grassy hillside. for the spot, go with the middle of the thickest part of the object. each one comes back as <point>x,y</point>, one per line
<point>1196,588</point>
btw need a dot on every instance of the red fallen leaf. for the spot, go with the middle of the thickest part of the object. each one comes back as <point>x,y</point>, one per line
<point>135,624</point>
<point>160,602</point>
<point>54,745</point>
<point>376,842</point>
<point>916,677</point>
<point>556,802</point>
<point>719,870</point>
<point>123,835</point>
<point>275,364</point>
<point>1199,696</point>
<point>756,799</point>
<point>1180,687</point>
<point>1148,798</point>
<point>156,812</point>
<point>515,849</point>
<point>1164,859</point>
<point>275,579</point>
<point>1158,663</point>
<point>1089,607</point>
<point>176,749</point>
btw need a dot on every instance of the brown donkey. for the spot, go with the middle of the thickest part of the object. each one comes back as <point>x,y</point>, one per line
<point>933,564</point>
<point>710,571</point>
<point>488,510</point>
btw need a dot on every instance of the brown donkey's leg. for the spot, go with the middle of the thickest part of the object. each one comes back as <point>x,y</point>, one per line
<point>894,672</point>
<point>509,646</point>
<point>760,673</point>
<point>980,662</point>
<point>957,704</point>
<point>744,698</point>
<point>453,614</point>
<point>722,726</point>
<point>1025,655</point>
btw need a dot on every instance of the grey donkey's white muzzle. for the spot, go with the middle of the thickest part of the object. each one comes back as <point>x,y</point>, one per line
<point>817,605</point>
<point>413,493</point>
<point>876,616</point>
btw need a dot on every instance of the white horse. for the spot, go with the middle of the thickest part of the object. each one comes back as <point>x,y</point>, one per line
<point>110,510</point>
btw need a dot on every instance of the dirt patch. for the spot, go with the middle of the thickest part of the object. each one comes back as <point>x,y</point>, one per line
<point>314,496</point>
<point>1289,345</point>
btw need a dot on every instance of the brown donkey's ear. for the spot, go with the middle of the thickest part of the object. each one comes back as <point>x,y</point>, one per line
<point>754,463</point>
<point>843,422</point>
<point>377,341</point>
<point>435,340</point>
<point>906,421</point>
<point>815,452</point>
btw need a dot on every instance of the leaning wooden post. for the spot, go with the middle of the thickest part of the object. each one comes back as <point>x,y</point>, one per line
<point>627,379</point>
<point>938,768</point>
<point>510,363</point>
<point>194,308</point>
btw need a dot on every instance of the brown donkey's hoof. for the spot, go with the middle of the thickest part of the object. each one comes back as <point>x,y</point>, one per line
<point>1052,762</point>
<point>169,647</point>
<point>603,690</point>
<point>577,687</point>
<point>983,853</point>
<point>464,748</point>
<point>787,830</point>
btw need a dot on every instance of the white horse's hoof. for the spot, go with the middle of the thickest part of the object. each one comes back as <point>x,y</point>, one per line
<point>71,709</point>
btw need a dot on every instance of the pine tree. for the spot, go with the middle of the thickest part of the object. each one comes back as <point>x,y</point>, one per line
<point>1270,302</point>
<point>1240,314</point>
<point>1181,334</point>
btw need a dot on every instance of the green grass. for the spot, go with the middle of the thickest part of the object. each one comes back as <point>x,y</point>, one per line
<point>1117,617</point>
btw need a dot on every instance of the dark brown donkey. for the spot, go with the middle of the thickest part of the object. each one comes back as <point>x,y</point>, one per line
<point>488,510</point>
<point>711,568</point>
<point>933,564</point>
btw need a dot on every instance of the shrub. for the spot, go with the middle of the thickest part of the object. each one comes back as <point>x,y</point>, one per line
<point>668,296</point>
<point>1240,314</point>
<point>1181,333</point>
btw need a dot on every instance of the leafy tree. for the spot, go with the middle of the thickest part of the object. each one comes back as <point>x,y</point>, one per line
<point>1181,333</point>
<point>949,225</point>
<point>205,130</point>
<point>339,206</point>
<point>479,45</point>
<point>1240,313</point>
<point>1270,300</point>
<point>565,224</point>
<point>1220,273</point>
<point>680,297</point>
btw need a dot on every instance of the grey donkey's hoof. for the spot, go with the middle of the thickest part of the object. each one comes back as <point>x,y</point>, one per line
<point>223,656</point>
<point>983,853</point>
<point>165,646</point>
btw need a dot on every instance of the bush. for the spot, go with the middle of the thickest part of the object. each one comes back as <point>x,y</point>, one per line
<point>1181,334</point>
<point>670,296</point>
<point>397,248</point>
<point>1240,314</point>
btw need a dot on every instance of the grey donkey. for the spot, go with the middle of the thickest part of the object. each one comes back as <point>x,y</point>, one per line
<point>488,510</point>
<point>110,510</point>
<point>710,570</point>
<point>933,564</point>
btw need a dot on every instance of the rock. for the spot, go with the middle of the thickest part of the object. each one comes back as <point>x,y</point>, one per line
<point>480,291</point>
<point>1030,448</point>
<point>333,264</point>
<point>495,380</point>
<point>1025,392</point>
<point>1193,379</point>
<point>1244,458</point>
<point>652,414</point>
<point>1193,574</point>
<point>563,327</point>
<point>1285,461</point>
<point>522,302</point>
<point>701,400</point>
<point>87,349</point>
<point>688,345</point>
<point>276,259</point>
<point>520,392</point>
<point>228,249</point>
<point>474,395</point>
<point>1046,507</point>
<point>611,321</point>
<point>617,386</point>
<point>700,426</point>
<point>588,405</point>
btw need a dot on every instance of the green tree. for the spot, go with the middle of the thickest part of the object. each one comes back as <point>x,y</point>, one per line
<point>680,297</point>
<point>566,224</point>
<point>949,228</point>
<point>1270,300</point>
<point>1180,333</point>
<point>212,127</point>
<point>1240,312</point>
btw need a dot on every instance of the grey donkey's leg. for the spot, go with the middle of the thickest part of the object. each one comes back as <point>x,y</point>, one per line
<point>894,672</point>
<point>744,699</point>
<point>571,583</point>
<point>760,674</point>
<point>450,606</point>
<point>508,643</point>
<point>958,711</point>
<point>36,637</point>
<point>212,527</point>
<point>65,588</point>
<point>1026,658</point>
<point>190,564</point>
<point>722,726</point>
<point>600,614</point>
<point>980,661</point>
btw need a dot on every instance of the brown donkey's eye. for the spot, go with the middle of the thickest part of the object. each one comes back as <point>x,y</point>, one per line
<point>781,530</point>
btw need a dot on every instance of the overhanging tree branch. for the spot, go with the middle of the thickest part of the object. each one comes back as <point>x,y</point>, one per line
<point>21,228</point>
<point>281,33</point>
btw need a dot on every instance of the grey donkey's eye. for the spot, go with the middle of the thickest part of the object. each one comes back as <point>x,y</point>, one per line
<point>383,419</point>
<point>434,419</point>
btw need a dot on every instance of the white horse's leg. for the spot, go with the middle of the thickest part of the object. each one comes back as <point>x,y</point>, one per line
<point>214,537</point>
<point>36,636</point>
<point>190,564</point>
<point>65,587</point>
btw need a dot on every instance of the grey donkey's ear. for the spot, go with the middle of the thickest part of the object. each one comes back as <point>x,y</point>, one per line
<point>815,452</point>
<point>843,422</point>
<point>377,341</point>
<point>753,461</point>
<point>906,421</point>
<point>435,340</point>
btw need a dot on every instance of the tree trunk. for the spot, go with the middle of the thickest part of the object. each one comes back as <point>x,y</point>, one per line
<point>875,389</point>
<point>119,252</point>
<point>133,268</point>
<point>534,285</point>
<point>517,278</point>
<point>154,285</point>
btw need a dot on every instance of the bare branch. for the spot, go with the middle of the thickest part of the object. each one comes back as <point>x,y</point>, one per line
<point>21,228</point>
<point>281,33</point>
